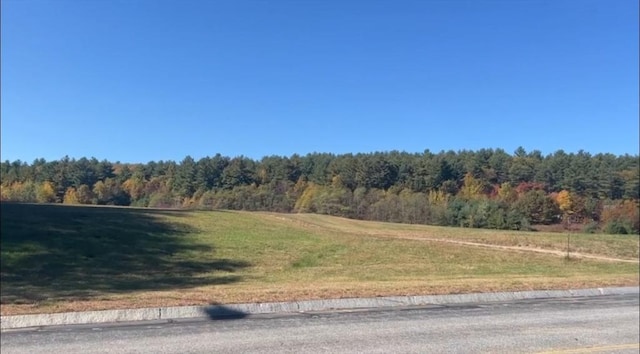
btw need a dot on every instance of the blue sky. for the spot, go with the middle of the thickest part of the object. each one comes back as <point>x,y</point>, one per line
<point>141,80</point>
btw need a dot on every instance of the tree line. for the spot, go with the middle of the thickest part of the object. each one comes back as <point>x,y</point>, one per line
<point>488,188</point>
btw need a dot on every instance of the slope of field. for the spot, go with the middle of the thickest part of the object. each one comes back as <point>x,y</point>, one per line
<point>61,258</point>
<point>597,246</point>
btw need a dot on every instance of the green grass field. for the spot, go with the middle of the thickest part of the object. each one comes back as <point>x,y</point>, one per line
<point>65,258</point>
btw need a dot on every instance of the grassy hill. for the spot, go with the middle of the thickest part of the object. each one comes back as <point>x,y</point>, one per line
<point>64,258</point>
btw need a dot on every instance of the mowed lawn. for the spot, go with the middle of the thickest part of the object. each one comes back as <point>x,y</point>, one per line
<point>70,258</point>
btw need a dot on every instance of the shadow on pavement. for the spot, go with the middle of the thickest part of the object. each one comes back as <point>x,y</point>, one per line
<point>220,312</point>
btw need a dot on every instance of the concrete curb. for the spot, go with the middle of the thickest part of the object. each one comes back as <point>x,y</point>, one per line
<point>241,310</point>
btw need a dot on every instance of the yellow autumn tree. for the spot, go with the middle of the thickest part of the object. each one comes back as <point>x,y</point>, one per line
<point>507,193</point>
<point>4,192</point>
<point>70,196</point>
<point>471,187</point>
<point>565,202</point>
<point>336,182</point>
<point>46,193</point>
<point>102,192</point>
<point>12,192</point>
<point>304,203</point>
<point>437,197</point>
<point>134,186</point>
<point>20,192</point>
<point>84,195</point>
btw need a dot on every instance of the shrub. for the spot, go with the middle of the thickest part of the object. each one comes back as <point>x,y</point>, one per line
<point>619,227</point>
<point>621,217</point>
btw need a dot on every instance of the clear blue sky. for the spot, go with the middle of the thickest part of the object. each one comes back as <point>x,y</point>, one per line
<point>140,80</point>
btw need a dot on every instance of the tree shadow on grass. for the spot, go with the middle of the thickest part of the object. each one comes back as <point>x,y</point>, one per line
<point>54,252</point>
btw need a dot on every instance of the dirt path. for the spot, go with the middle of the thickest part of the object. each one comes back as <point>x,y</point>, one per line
<point>519,248</point>
<point>559,253</point>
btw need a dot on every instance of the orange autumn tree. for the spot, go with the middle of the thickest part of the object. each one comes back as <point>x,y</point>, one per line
<point>622,217</point>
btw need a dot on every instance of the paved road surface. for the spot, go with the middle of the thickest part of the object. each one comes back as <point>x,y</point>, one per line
<point>605,324</point>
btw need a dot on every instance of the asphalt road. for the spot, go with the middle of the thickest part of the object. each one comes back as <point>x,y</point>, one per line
<point>603,324</point>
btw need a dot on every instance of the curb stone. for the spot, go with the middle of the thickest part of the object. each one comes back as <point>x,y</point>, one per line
<point>241,310</point>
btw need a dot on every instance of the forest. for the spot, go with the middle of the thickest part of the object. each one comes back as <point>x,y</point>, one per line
<point>487,188</point>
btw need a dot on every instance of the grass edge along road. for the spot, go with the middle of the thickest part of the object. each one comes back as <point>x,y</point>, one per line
<point>61,258</point>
